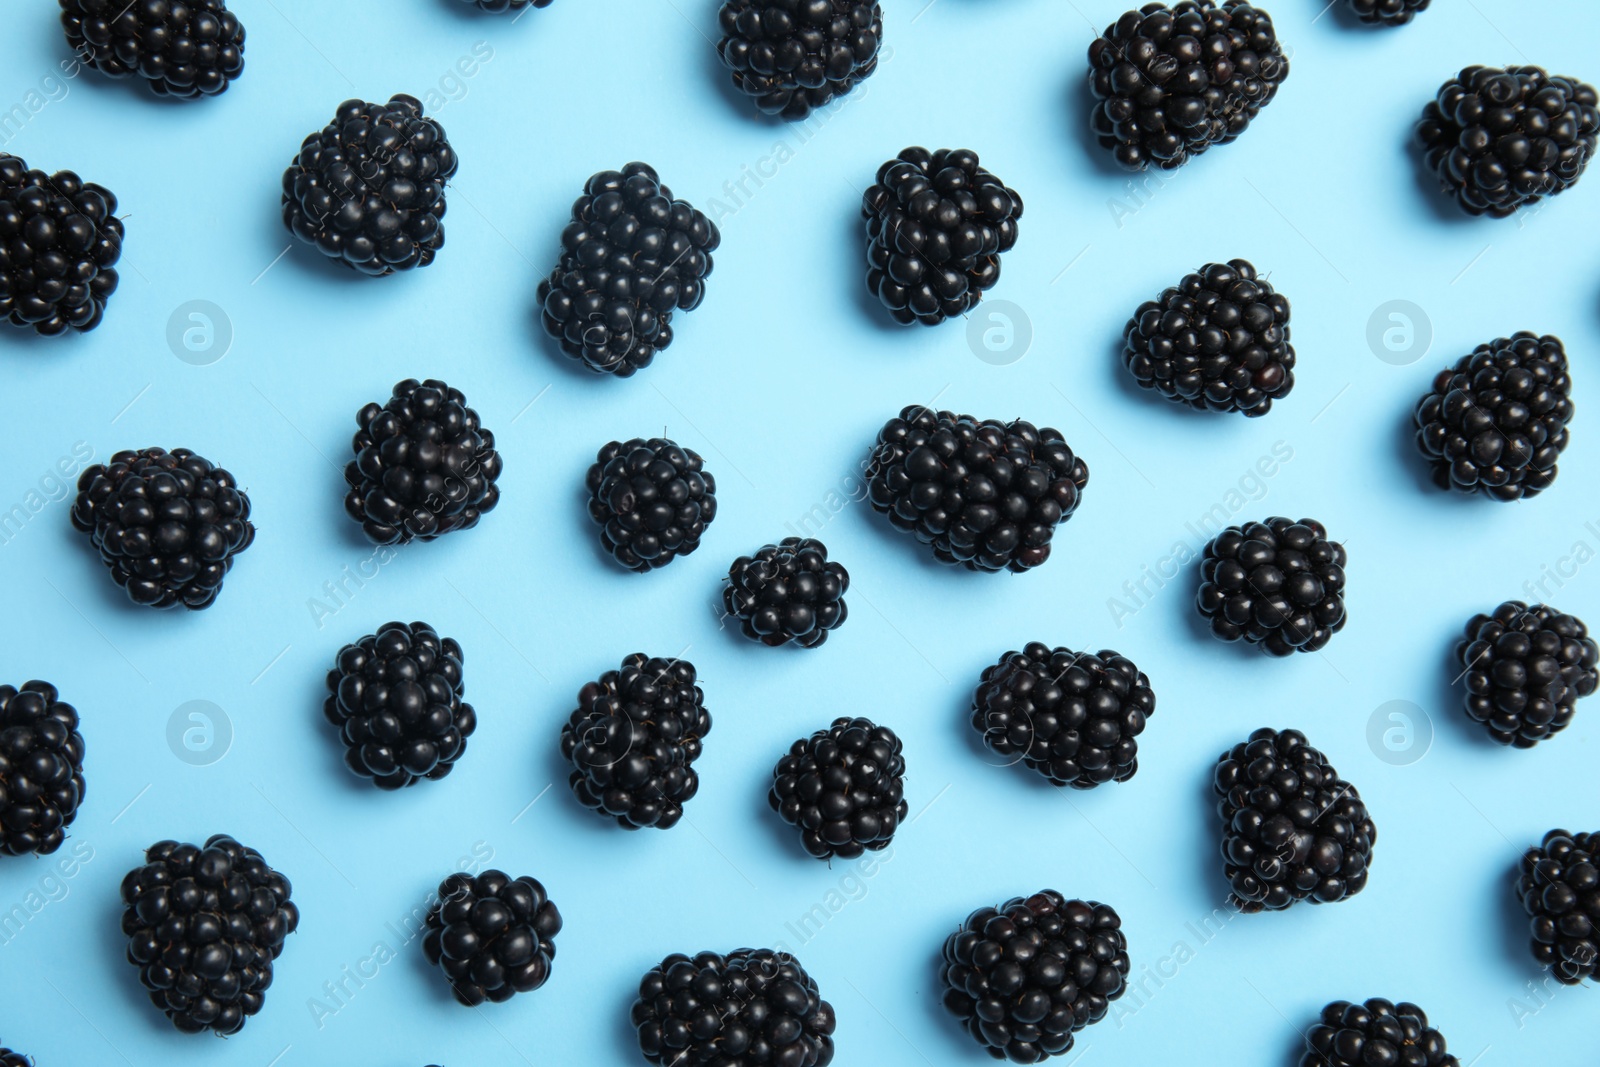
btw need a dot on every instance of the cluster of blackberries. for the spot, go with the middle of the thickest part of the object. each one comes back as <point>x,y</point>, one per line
<point>492,935</point>
<point>41,768</point>
<point>1388,12</point>
<point>1378,1033</point>
<point>1278,585</point>
<point>1559,887</point>
<point>60,241</point>
<point>793,56</point>
<point>181,48</point>
<point>652,501</point>
<point>786,592</point>
<point>1524,669</point>
<point>843,788</point>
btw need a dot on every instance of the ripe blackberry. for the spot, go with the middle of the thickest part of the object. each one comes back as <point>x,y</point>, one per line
<point>41,769</point>
<point>936,225</point>
<point>424,465</point>
<point>652,501</point>
<point>1524,669</point>
<point>1218,340</point>
<point>796,55</point>
<point>843,788</point>
<point>1023,978</point>
<point>630,257</point>
<point>1171,82</point>
<point>492,935</point>
<point>182,48</point>
<point>1499,139</point>
<point>60,240</point>
<point>751,1007</point>
<point>1277,584</point>
<point>203,927</point>
<point>1496,422</point>
<point>368,188</point>
<point>14,1059</point>
<point>1388,12</point>
<point>1292,829</point>
<point>786,592</point>
<point>1559,887</point>
<point>986,495</point>
<point>167,524</point>
<point>499,6</point>
<point>633,740</point>
<point>1378,1032</point>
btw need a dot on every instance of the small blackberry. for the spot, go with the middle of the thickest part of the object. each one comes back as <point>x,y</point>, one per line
<point>424,467</point>
<point>1388,12</point>
<point>1559,887</point>
<point>60,240</point>
<point>786,592</point>
<point>499,6</point>
<point>203,927</point>
<point>749,1008</point>
<point>368,188</point>
<point>1218,340</point>
<point>652,501</point>
<point>633,740</point>
<point>1524,669</point>
<point>985,495</point>
<point>843,788</point>
<point>492,935</point>
<point>41,769</point>
<point>630,257</point>
<point>167,524</point>
<point>936,225</point>
<point>181,48</point>
<point>796,55</point>
<point>1496,422</point>
<point>1278,585</point>
<point>1378,1033</point>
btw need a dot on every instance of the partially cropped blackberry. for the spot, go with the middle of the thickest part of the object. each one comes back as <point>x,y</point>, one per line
<point>368,188</point>
<point>796,55</point>
<point>14,1059</point>
<point>652,501</point>
<point>1218,340</point>
<point>1559,887</point>
<point>1278,585</point>
<point>630,257</point>
<point>633,740</point>
<point>1388,12</point>
<point>1524,669</point>
<point>843,788</point>
<point>167,524</point>
<point>786,592</point>
<point>1500,139</point>
<point>492,935</point>
<point>750,1008</point>
<point>60,240</point>
<point>203,927</point>
<point>936,225</point>
<point>1379,1032</point>
<point>181,48</point>
<point>41,768</point>
<point>1496,422</point>
<point>425,466</point>
<point>498,6</point>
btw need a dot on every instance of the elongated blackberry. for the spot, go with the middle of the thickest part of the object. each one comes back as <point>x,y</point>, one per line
<point>1377,1032</point>
<point>786,592</point>
<point>41,768</point>
<point>500,6</point>
<point>1388,12</point>
<point>1278,585</point>
<point>792,56</point>
<point>843,788</point>
<point>492,935</point>
<point>652,501</point>
<point>1559,887</point>
<point>60,240</point>
<point>1524,669</point>
<point>181,48</point>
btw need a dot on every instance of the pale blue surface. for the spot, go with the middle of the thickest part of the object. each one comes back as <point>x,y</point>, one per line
<point>781,380</point>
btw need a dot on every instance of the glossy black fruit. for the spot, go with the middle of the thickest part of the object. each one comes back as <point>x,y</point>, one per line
<point>652,501</point>
<point>41,768</point>
<point>792,56</point>
<point>1278,585</point>
<point>843,788</point>
<point>60,241</point>
<point>1379,1032</point>
<point>499,6</point>
<point>14,1059</point>
<point>181,48</point>
<point>786,592</point>
<point>1559,887</point>
<point>1524,669</point>
<point>492,935</point>
<point>1388,12</point>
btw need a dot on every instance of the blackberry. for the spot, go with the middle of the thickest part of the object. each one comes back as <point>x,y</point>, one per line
<point>1499,139</point>
<point>424,467</point>
<point>203,927</point>
<point>633,740</point>
<point>492,935</point>
<point>1559,887</point>
<point>751,1007</point>
<point>1278,585</point>
<point>985,495</point>
<point>1378,1032</point>
<point>1496,422</point>
<point>792,56</point>
<point>1524,669</point>
<point>1025,977</point>
<point>181,48</point>
<point>1292,829</point>
<point>630,257</point>
<point>1388,12</point>
<point>843,788</point>
<point>368,188</point>
<point>936,225</point>
<point>1170,83</point>
<point>499,6</point>
<point>786,592</point>
<point>41,769</point>
<point>652,501</point>
<point>1218,340</point>
<point>14,1059</point>
<point>167,524</point>
<point>60,240</point>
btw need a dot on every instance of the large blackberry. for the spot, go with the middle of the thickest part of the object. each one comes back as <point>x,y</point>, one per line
<point>368,188</point>
<point>652,501</point>
<point>167,524</point>
<point>60,240</point>
<point>1378,1033</point>
<point>1559,887</point>
<point>492,935</point>
<point>424,467</point>
<point>633,740</point>
<point>630,257</point>
<point>41,768</point>
<point>1278,585</point>
<point>1496,422</point>
<point>986,495</point>
<point>1502,138</point>
<point>796,55</point>
<point>1217,340</point>
<point>1388,12</point>
<point>750,1008</point>
<point>843,788</point>
<point>936,225</point>
<point>786,592</point>
<point>181,48</point>
<point>203,927</point>
<point>1524,669</point>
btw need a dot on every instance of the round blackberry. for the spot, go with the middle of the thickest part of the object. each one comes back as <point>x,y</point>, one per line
<point>1524,669</point>
<point>1388,13</point>
<point>1378,1032</point>
<point>14,1059</point>
<point>368,188</point>
<point>424,465</point>
<point>499,6</point>
<point>492,935</point>
<point>1023,978</point>
<point>1559,887</point>
<point>1499,139</point>
<point>630,257</point>
<point>652,501</point>
<point>1218,340</point>
<point>749,1008</point>
<point>167,524</point>
<point>203,927</point>
<point>1278,585</point>
<point>1171,82</point>
<point>1496,422</point>
<point>41,769</point>
<point>936,225</point>
<point>633,740</point>
<point>843,788</point>
<point>60,240</point>
<point>1292,829</point>
<point>795,55</point>
<point>181,48</point>
<point>786,592</point>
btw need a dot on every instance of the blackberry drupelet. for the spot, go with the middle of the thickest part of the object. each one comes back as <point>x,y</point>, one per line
<point>937,223</point>
<point>60,241</point>
<point>368,189</point>
<point>1388,12</point>
<point>750,1008</point>
<point>492,935</point>
<point>986,495</point>
<point>1524,669</point>
<point>203,927</point>
<point>14,1059</point>
<point>630,257</point>
<point>652,501</point>
<point>499,6</point>
<point>633,740</point>
<point>1496,422</point>
<point>792,56</point>
<point>181,48</point>
<point>843,788</point>
<point>786,592</point>
<point>1379,1033</point>
<point>1559,887</point>
<point>425,466</point>
<point>1217,340</point>
<point>41,769</point>
<point>1278,585</point>
<point>167,524</point>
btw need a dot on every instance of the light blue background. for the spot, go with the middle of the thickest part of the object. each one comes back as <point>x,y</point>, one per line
<point>781,380</point>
